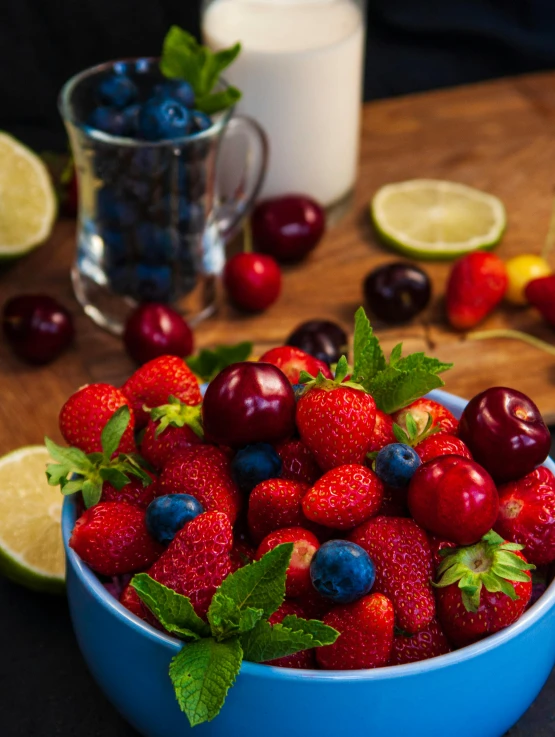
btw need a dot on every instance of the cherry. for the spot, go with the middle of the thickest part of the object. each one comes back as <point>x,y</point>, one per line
<point>252,281</point>
<point>397,292</point>
<point>37,327</point>
<point>248,403</point>
<point>323,339</point>
<point>505,433</point>
<point>153,330</point>
<point>455,498</point>
<point>288,227</point>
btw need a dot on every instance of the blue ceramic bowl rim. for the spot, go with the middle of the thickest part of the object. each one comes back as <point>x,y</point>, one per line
<point>89,580</point>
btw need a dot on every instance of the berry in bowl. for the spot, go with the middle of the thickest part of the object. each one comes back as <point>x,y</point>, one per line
<point>350,590</point>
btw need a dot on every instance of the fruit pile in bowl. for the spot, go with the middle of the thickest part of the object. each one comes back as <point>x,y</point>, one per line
<point>309,551</point>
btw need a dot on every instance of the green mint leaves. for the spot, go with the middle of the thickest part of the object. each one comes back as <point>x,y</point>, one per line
<point>206,667</point>
<point>396,383</point>
<point>184,58</point>
<point>207,364</point>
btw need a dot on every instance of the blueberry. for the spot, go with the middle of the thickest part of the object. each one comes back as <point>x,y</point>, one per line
<point>153,283</point>
<point>396,463</point>
<point>201,121</point>
<point>120,279</point>
<point>161,119</point>
<point>254,464</point>
<point>178,90</point>
<point>115,251</point>
<point>110,120</point>
<point>194,224</point>
<point>131,117</point>
<point>342,571</point>
<point>154,244</point>
<point>108,161</point>
<point>136,189</point>
<point>166,515</point>
<point>117,90</point>
<point>113,209</point>
<point>147,162</point>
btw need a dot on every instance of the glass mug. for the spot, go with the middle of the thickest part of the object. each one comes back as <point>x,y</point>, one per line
<point>154,217</point>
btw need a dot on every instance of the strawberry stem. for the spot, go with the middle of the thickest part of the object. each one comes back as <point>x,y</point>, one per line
<point>541,345</point>
<point>550,237</point>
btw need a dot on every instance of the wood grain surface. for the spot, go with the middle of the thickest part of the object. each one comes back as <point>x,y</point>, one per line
<point>497,136</point>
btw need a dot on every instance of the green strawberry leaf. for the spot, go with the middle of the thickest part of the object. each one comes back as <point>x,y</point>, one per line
<point>71,487</point>
<point>92,491</point>
<point>114,476</point>
<point>174,611</point>
<point>72,458</point>
<point>178,414</point>
<point>113,431</point>
<point>202,674</point>
<point>226,619</point>
<point>207,364</point>
<point>266,642</point>
<point>369,358</point>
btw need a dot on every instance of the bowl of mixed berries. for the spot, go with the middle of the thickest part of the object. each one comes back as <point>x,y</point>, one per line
<point>309,551</point>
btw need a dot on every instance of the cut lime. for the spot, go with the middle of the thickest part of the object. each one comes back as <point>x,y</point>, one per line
<point>27,199</point>
<point>31,549</point>
<point>434,219</point>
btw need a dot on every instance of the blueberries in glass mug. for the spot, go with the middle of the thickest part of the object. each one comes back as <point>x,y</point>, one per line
<point>154,244</point>
<point>153,283</point>
<point>117,90</point>
<point>178,90</point>
<point>113,209</point>
<point>162,119</point>
<point>109,120</point>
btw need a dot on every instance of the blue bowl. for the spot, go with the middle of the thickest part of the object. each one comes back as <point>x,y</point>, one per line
<point>479,691</point>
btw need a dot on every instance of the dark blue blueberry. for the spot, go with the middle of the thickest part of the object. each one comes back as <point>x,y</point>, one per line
<point>148,162</point>
<point>120,279</point>
<point>113,209</point>
<point>131,116</point>
<point>115,247</point>
<point>162,119</point>
<point>110,120</point>
<point>194,224</point>
<point>117,90</point>
<point>171,208</point>
<point>396,463</point>
<point>166,515</point>
<point>153,283</point>
<point>342,571</point>
<point>109,161</point>
<point>195,187</point>
<point>155,244</point>
<point>136,189</point>
<point>254,464</point>
<point>201,121</point>
<point>177,89</point>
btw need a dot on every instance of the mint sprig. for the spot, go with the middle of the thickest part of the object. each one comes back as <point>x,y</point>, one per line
<point>237,629</point>
<point>184,58</point>
<point>207,364</point>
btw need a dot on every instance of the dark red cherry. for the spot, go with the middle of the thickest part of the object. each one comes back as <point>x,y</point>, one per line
<point>153,330</point>
<point>248,403</point>
<point>397,292</point>
<point>505,433</point>
<point>252,281</point>
<point>288,227</point>
<point>323,339</point>
<point>37,327</point>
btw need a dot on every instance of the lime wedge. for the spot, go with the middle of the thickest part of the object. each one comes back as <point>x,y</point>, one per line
<point>31,549</point>
<point>27,199</point>
<point>434,219</point>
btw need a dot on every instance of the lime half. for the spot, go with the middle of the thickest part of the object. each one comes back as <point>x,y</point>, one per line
<point>31,549</point>
<point>27,199</point>
<point>435,219</point>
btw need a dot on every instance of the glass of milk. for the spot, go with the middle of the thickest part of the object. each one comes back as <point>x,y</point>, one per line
<point>300,72</point>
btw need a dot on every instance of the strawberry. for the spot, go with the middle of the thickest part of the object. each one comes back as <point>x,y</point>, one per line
<point>441,444</point>
<point>203,471</point>
<point>427,643</point>
<point>383,432</point>
<point>541,294</point>
<point>135,492</point>
<point>130,600</point>
<point>171,427</point>
<point>298,463</point>
<point>344,497</point>
<point>443,421</point>
<point>527,514</point>
<point>112,539</point>
<point>401,553</point>
<point>314,605</point>
<point>305,544</point>
<point>476,285</point>
<point>273,504</point>
<point>304,658</point>
<point>366,634</point>
<point>156,381</point>
<point>437,544</point>
<point>84,415</point>
<point>242,554</point>
<point>293,360</point>
<point>482,589</point>
<point>394,503</point>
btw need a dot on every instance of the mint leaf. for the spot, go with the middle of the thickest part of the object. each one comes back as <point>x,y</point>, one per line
<point>368,355</point>
<point>207,364</point>
<point>202,674</point>
<point>113,431</point>
<point>267,642</point>
<point>259,585</point>
<point>419,361</point>
<point>216,63</point>
<point>395,354</point>
<point>226,619</point>
<point>217,101</point>
<point>393,389</point>
<point>321,633</point>
<point>181,58</point>
<point>174,611</point>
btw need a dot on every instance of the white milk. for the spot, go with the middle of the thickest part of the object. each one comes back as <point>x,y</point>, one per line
<point>300,72</point>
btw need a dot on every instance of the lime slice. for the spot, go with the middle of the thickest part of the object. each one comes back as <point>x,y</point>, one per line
<point>31,549</point>
<point>27,199</point>
<point>434,219</point>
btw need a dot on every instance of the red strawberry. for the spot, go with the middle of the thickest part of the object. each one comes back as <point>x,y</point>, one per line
<point>273,504</point>
<point>401,554</point>
<point>366,634</point>
<point>541,294</point>
<point>383,432</point>
<point>84,415</point>
<point>482,589</point>
<point>314,605</point>
<point>304,658</point>
<point>203,471</point>
<point>527,514</point>
<point>242,554</point>
<point>305,544</point>
<point>293,360</point>
<point>441,444</point>
<point>420,409</point>
<point>154,382</point>
<point>135,492</point>
<point>394,503</point>
<point>427,643</point>
<point>130,600</point>
<point>112,538</point>
<point>344,497</point>
<point>298,463</point>
<point>436,545</point>
<point>477,283</point>
<point>171,427</point>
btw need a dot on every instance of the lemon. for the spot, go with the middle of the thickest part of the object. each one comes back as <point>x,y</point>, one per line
<point>435,219</point>
<point>31,549</point>
<point>27,199</point>
<point>521,270</point>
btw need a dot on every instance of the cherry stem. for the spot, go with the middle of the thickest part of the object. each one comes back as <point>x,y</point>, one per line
<point>247,237</point>
<point>550,237</point>
<point>513,335</point>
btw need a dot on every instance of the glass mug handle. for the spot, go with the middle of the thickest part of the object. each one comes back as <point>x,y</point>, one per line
<point>240,169</point>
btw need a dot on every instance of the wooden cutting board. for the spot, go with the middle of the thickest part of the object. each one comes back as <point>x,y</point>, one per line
<point>497,136</point>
